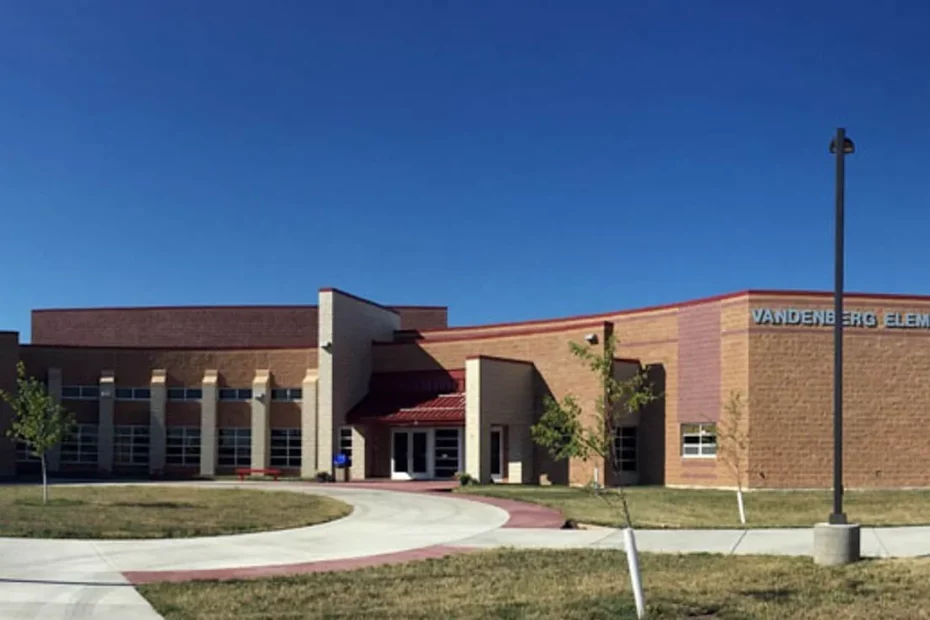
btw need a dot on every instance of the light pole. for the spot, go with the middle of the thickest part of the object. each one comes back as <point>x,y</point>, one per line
<point>838,517</point>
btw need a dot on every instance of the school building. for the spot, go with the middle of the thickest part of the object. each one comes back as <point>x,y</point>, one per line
<point>181,391</point>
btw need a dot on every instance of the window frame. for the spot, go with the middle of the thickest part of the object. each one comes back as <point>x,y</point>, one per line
<point>189,450</point>
<point>290,443</point>
<point>121,432</point>
<point>134,394</point>
<point>187,394</point>
<point>345,443</point>
<point>699,430</point>
<point>228,394</point>
<point>84,392</point>
<point>287,395</point>
<point>239,446</point>
<point>618,448</point>
<point>24,454</point>
<point>80,435</point>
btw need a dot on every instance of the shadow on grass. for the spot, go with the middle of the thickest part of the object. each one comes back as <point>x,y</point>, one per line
<point>172,505</point>
<point>769,596</point>
<point>37,501</point>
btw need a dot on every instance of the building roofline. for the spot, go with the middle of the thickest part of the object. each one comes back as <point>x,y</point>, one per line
<point>495,358</point>
<point>144,308</point>
<point>428,334</point>
<point>168,349</point>
<point>534,329</point>
<point>232,307</point>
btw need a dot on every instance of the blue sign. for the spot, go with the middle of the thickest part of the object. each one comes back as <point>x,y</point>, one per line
<point>340,460</point>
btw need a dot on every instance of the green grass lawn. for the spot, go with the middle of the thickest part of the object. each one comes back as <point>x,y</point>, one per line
<point>659,507</point>
<point>573,584</point>
<point>156,511</point>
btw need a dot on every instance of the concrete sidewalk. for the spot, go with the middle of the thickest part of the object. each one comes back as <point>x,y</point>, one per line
<point>52,579</point>
<point>894,542</point>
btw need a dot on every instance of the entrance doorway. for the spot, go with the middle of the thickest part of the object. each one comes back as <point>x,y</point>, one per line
<point>426,453</point>
<point>410,455</point>
<point>497,454</point>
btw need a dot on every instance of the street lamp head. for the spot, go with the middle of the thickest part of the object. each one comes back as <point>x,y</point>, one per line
<point>848,147</point>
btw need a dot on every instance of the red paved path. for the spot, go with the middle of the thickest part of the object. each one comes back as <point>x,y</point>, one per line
<point>522,514</point>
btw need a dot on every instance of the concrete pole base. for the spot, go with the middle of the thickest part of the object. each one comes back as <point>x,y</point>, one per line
<point>836,545</point>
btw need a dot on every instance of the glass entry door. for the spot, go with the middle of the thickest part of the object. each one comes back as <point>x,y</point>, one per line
<point>410,454</point>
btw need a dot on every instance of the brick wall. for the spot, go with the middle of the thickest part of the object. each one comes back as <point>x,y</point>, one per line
<point>886,401</point>
<point>209,327</point>
<point>9,356</point>
<point>133,368</point>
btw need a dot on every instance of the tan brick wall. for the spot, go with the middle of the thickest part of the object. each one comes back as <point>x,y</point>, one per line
<point>351,324</point>
<point>558,372</point>
<point>886,397</point>
<point>133,367</point>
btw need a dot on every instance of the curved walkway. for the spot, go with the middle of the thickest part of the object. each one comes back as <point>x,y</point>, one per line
<point>93,579</point>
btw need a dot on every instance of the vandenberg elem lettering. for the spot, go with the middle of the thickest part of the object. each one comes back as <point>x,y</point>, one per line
<point>851,318</point>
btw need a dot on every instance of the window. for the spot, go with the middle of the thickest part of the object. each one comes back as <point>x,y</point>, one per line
<point>287,394</point>
<point>80,445</point>
<point>182,446</point>
<point>131,445</point>
<point>24,454</point>
<point>235,447</point>
<point>699,440</point>
<point>285,447</point>
<point>80,392</point>
<point>185,393</point>
<point>625,448</point>
<point>235,393</point>
<point>345,443</point>
<point>133,394</point>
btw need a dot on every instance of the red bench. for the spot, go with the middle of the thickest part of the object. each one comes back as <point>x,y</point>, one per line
<point>245,471</point>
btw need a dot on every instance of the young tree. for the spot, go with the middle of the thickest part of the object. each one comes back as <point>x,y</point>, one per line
<point>38,421</point>
<point>732,444</point>
<point>566,432</point>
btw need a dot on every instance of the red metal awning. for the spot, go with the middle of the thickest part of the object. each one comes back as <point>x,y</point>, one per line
<point>397,409</point>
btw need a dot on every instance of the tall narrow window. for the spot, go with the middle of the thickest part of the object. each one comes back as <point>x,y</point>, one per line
<point>625,448</point>
<point>345,443</point>
<point>182,446</point>
<point>131,445</point>
<point>80,445</point>
<point>285,447</point>
<point>234,447</point>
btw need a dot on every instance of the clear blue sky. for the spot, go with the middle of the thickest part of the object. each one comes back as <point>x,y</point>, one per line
<point>513,160</point>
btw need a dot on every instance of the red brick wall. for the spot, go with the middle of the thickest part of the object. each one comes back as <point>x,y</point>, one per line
<point>9,356</point>
<point>211,327</point>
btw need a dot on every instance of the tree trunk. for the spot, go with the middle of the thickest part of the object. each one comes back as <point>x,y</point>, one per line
<point>44,482</point>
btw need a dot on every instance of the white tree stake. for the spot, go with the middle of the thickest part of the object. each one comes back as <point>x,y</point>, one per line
<point>595,479</point>
<point>739,501</point>
<point>632,558</point>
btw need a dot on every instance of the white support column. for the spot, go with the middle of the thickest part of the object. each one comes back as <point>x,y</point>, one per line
<point>477,429</point>
<point>54,391</point>
<point>208,424</point>
<point>157,427</point>
<point>308,426</point>
<point>357,471</point>
<point>105,422</point>
<point>261,405</point>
